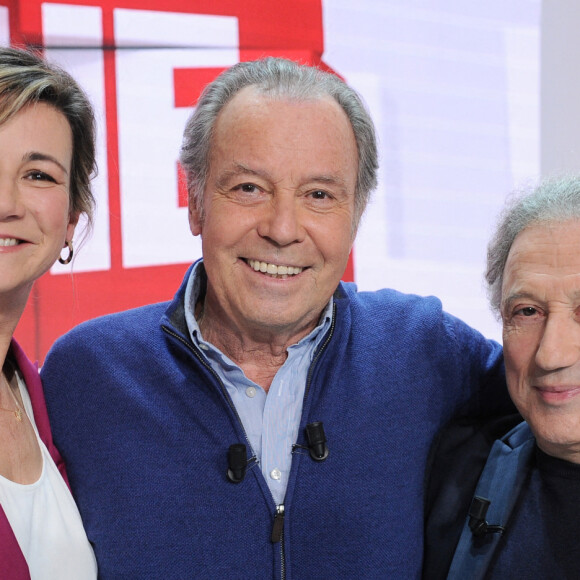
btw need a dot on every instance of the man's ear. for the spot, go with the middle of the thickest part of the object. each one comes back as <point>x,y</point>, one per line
<point>195,216</point>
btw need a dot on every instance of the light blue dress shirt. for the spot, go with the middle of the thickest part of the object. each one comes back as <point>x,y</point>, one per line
<point>271,421</point>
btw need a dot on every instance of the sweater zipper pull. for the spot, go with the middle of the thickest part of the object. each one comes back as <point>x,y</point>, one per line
<point>278,526</point>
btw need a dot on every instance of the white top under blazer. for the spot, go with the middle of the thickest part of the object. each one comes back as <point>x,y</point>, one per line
<point>46,520</point>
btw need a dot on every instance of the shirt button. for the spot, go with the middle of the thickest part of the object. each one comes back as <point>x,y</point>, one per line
<point>251,392</point>
<point>275,474</point>
<point>204,347</point>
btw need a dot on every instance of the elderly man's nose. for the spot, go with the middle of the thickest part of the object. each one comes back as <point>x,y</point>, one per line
<point>560,343</point>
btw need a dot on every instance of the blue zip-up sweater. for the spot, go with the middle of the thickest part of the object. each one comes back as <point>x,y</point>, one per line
<point>144,426</point>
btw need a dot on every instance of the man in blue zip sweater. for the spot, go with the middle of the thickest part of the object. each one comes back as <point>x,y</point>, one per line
<point>270,421</point>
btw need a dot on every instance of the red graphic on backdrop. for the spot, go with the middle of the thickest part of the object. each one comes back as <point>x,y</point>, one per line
<point>58,302</point>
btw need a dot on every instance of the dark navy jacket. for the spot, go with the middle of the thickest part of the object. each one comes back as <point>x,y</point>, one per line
<point>455,467</point>
<point>500,485</point>
<point>144,426</point>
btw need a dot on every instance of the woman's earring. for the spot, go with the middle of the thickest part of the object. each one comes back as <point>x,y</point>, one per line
<point>70,253</point>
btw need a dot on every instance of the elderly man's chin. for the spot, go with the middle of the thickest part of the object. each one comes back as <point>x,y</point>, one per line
<point>290,307</point>
<point>285,314</point>
<point>556,427</point>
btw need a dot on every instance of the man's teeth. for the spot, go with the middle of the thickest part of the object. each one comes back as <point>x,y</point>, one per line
<point>274,270</point>
<point>8,241</point>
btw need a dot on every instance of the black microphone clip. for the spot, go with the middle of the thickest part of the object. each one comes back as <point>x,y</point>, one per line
<point>317,441</point>
<point>237,463</point>
<point>477,512</point>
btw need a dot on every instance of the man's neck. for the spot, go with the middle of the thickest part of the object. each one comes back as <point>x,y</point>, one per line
<point>260,354</point>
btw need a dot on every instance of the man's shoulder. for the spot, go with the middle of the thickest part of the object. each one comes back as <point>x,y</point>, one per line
<point>387,302</point>
<point>469,438</point>
<point>405,314</point>
<point>120,325</point>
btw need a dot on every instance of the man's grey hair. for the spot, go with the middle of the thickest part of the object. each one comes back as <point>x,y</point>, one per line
<point>277,78</point>
<point>553,201</point>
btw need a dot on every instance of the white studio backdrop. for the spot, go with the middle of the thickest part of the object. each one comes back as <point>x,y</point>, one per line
<point>454,88</point>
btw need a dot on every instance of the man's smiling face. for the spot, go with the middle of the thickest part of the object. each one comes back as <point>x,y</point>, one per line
<point>278,220</point>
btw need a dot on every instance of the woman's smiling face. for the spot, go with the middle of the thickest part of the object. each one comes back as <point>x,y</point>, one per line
<point>35,220</point>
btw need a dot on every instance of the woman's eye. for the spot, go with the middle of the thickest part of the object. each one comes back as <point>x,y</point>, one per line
<point>39,176</point>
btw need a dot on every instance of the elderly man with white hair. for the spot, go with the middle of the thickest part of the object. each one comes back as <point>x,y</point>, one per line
<point>518,518</point>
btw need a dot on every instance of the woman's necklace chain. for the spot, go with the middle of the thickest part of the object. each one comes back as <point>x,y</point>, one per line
<point>16,412</point>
